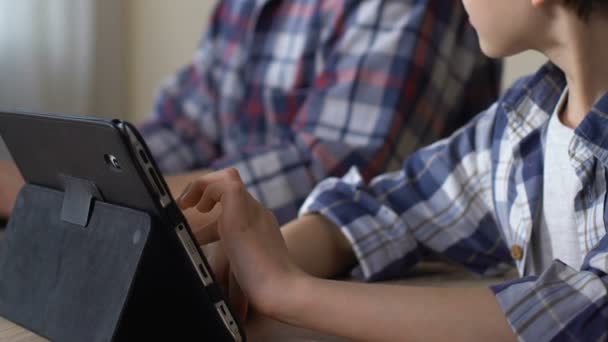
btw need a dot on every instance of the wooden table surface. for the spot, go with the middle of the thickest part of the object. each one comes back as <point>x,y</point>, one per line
<point>261,328</point>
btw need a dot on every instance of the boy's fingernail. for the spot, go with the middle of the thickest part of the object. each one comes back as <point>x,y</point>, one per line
<point>184,193</point>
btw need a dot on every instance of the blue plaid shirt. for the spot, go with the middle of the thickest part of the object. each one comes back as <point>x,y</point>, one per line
<point>475,198</point>
<point>292,91</point>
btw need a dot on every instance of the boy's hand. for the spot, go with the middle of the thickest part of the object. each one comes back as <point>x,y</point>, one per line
<point>249,235</point>
<point>10,184</point>
<point>221,268</point>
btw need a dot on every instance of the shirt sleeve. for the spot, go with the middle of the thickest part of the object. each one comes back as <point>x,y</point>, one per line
<point>562,304</point>
<point>441,200</point>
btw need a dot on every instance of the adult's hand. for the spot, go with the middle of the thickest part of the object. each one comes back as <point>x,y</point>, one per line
<point>11,182</point>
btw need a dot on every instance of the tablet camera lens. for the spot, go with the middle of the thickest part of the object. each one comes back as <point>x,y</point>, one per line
<point>112,162</point>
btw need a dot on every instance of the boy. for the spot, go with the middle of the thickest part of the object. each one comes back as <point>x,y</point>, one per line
<point>523,184</point>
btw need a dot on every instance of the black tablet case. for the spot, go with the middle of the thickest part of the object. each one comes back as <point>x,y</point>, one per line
<point>112,278</point>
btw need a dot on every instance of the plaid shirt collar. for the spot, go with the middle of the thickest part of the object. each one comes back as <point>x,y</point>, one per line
<point>528,107</point>
<point>544,91</point>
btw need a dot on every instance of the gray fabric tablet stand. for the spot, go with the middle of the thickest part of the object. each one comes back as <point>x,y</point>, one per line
<point>74,268</point>
<point>65,281</point>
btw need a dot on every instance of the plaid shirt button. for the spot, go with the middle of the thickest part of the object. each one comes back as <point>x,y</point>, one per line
<point>517,252</point>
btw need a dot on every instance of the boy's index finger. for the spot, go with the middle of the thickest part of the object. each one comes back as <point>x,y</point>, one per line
<point>193,193</point>
<point>188,198</point>
<point>207,233</point>
<point>180,199</point>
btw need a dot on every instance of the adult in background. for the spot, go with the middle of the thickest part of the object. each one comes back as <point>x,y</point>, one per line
<point>292,92</point>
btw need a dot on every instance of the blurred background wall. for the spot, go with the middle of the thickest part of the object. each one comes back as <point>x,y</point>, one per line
<point>163,37</point>
<point>63,55</point>
<point>108,57</point>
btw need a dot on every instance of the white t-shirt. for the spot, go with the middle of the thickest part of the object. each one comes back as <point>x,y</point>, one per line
<point>556,237</point>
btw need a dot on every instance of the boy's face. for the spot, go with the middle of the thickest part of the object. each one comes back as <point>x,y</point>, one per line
<point>505,27</point>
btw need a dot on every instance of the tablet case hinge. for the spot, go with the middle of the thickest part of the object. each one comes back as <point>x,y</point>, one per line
<point>78,200</point>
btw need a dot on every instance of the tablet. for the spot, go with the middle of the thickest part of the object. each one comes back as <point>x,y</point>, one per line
<point>111,155</point>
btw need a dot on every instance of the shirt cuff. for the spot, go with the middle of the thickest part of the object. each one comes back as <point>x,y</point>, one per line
<point>381,242</point>
<point>557,305</point>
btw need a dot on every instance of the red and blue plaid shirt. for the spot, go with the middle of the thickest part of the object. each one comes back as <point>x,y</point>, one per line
<point>290,92</point>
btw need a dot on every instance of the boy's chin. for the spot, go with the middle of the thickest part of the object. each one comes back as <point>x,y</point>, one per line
<point>494,51</point>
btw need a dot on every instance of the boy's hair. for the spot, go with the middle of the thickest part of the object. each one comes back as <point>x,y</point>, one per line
<point>585,7</point>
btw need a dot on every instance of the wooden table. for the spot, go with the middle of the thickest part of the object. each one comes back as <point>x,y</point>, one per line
<point>261,328</point>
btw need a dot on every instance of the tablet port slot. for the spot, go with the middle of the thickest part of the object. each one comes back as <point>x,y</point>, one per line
<point>156,182</point>
<point>143,156</point>
<point>193,254</point>
<point>228,320</point>
<point>201,268</point>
